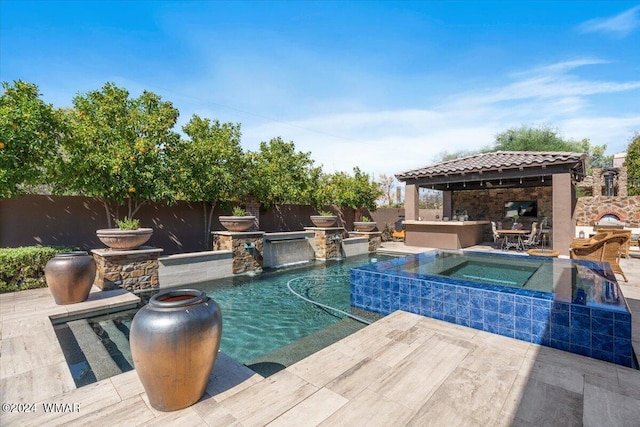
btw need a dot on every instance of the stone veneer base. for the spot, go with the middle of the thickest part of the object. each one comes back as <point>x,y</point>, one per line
<point>134,270</point>
<point>247,249</point>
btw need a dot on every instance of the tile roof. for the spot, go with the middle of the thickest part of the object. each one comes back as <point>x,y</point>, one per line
<point>497,160</point>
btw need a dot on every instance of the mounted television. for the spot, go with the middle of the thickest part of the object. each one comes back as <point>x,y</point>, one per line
<point>522,208</point>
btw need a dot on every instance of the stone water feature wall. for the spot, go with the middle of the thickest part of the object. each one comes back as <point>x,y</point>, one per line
<point>247,249</point>
<point>134,270</point>
<point>373,237</point>
<point>327,242</point>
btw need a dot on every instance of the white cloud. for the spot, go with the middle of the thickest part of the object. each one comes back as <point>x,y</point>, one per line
<point>620,25</point>
<point>394,141</point>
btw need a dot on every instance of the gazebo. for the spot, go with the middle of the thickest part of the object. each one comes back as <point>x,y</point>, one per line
<point>478,188</point>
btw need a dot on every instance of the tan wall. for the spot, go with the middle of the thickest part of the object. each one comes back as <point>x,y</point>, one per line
<point>179,228</point>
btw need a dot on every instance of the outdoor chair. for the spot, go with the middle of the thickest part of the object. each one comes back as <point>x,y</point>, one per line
<point>605,249</point>
<point>496,235</point>
<point>533,238</point>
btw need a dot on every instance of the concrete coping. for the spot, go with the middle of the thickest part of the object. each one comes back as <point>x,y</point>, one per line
<point>288,235</point>
<point>239,233</point>
<point>196,255</point>
<point>114,252</point>
<point>325,228</point>
<point>364,233</point>
<point>352,240</point>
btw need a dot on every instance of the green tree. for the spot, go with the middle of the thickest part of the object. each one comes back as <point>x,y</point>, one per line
<point>527,138</point>
<point>277,173</point>
<point>633,165</point>
<point>209,167</point>
<point>29,136</point>
<point>116,150</point>
<point>355,191</point>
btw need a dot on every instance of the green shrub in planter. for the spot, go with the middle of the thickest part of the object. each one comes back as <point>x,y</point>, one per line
<point>23,268</point>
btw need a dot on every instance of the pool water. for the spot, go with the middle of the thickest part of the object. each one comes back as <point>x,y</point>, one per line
<point>263,322</point>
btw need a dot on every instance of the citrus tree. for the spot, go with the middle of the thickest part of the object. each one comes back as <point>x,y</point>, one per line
<point>209,166</point>
<point>277,173</point>
<point>633,166</point>
<point>116,149</point>
<point>29,133</point>
<point>355,191</point>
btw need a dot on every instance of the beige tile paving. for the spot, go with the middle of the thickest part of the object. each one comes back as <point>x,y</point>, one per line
<point>402,370</point>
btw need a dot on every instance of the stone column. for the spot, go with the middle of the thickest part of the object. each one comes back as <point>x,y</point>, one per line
<point>247,249</point>
<point>135,270</point>
<point>447,204</point>
<point>327,242</point>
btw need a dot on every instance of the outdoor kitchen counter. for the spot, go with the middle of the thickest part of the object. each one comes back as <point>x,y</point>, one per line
<point>445,234</point>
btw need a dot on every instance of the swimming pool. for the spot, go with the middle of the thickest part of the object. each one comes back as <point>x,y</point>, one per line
<point>571,305</point>
<point>265,326</point>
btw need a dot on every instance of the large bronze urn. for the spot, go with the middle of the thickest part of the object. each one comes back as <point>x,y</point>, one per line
<point>69,276</point>
<point>174,344</point>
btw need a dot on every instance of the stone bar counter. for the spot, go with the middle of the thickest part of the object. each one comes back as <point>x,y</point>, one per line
<point>444,234</point>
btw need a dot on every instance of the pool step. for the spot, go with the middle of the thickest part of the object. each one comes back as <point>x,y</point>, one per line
<point>279,359</point>
<point>119,339</point>
<point>99,359</point>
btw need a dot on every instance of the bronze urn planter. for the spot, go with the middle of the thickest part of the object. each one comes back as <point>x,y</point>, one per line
<point>174,343</point>
<point>364,226</point>
<point>124,240</point>
<point>237,223</point>
<point>69,276</point>
<point>324,221</point>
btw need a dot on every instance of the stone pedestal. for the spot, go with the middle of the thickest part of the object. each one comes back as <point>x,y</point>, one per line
<point>247,249</point>
<point>135,270</point>
<point>374,238</point>
<point>327,242</point>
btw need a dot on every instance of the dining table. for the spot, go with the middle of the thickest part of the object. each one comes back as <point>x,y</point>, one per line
<point>512,238</point>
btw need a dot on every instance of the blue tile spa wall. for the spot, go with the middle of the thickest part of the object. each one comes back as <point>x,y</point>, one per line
<point>526,315</point>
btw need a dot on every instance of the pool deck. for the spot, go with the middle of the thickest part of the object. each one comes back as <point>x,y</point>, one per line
<point>404,369</point>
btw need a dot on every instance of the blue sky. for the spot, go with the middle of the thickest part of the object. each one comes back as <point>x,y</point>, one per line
<point>386,86</point>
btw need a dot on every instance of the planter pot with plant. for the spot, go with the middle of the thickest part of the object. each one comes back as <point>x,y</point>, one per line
<point>129,235</point>
<point>324,219</point>
<point>365,224</point>
<point>239,220</point>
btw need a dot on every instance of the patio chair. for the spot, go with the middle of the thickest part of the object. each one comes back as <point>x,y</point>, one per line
<point>496,236</point>
<point>533,238</point>
<point>606,249</point>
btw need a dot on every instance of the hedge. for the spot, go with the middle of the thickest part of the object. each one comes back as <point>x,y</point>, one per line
<point>23,268</point>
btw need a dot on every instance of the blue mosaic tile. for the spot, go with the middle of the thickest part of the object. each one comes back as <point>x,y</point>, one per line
<point>602,355</point>
<point>581,337</point>
<point>560,345</point>
<point>522,324</point>
<point>404,302</point>
<point>522,300</point>
<point>491,304</point>
<point>605,314</point>
<point>602,342</point>
<point>476,315</point>
<point>449,318</point>
<point>462,299</point>
<point>506,307</point>
<point>414,304</point>
<point>475,324</point>
<point>578,349</point>
<point>425,307</point>
<point>506,321</point>
<point>449,296</point>
<point>523,335</point>
<point>437,308</point>
<point>507,332</point>
<point>395,304</point>
<point>622,317</point>
<point>425,290</point>
<point>622,329</point>
<point>561,306</point>
<point>491,317</point>
<point>437,293</point>
<point>506,298</point>
<point>540,314</point>
<point>539,328</point>
<point>601,325</point>
<point>623,360</point>
<point>464,321</point>
<point>579,309</point>
<point>560,318</point>
<point>490,327</point>
<point>560,333</point>
<point>449,309</point>
<point>535,302</point>
<point>622,346</point>
<point>523,310</point>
